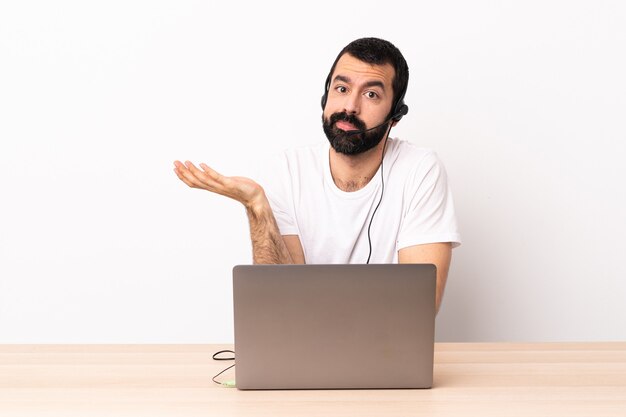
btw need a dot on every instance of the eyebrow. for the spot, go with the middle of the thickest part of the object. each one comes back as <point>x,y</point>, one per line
<point>373,83</point>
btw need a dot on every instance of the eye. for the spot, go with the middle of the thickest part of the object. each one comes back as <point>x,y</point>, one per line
<point>341,89</point>
<point>371,94</point>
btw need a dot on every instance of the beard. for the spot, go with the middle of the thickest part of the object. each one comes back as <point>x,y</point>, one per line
<point>351,142</point>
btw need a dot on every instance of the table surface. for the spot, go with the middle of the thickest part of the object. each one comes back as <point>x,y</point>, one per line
<point>486,379</point>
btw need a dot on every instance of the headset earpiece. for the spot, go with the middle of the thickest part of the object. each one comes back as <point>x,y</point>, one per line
<point>402,109</point>
<point>326,88</point>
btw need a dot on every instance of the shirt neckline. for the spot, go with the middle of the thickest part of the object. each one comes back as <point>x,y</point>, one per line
<point>369,188</point>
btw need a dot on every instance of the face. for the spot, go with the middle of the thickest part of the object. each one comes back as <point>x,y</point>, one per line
<point>360,98</point>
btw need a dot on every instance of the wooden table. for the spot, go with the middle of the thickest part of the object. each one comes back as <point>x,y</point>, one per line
<point>493,379</point>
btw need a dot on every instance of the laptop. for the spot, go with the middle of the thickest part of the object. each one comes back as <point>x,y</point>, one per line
<point>334,326</point>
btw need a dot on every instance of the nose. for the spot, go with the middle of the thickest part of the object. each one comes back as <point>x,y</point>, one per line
<point>352,104</point>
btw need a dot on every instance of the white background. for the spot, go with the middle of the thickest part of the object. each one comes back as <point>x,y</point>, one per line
<point>525,102</point>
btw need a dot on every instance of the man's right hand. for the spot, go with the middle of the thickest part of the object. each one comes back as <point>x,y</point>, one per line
<point>242,189</point>
<point>268,246</point>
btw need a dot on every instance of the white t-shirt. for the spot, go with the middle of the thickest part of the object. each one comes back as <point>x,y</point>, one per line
<point>416,206</point>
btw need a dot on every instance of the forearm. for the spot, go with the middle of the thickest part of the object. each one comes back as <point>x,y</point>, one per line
<point>439,254</point>
<point>268,246</point>
<point>442,276</point>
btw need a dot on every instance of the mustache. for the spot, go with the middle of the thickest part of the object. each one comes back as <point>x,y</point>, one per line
<point>350,118</point>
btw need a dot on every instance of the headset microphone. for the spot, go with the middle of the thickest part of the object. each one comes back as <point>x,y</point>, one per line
<point>354,132</point>
<point>404,109</point>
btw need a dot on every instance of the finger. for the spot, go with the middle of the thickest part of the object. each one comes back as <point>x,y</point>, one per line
<point>218,178</point>
<point>208,169</point>
<point>207,176</point>
<point>195,170</point>
<point>209,180</point>
<point>184,179</point>
<point>179,168</point>
<point>190,179</point>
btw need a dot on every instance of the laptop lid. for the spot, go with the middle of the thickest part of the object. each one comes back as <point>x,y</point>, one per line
<point>334,326</point>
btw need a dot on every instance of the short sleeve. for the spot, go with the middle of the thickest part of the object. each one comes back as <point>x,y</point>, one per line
<point>429,215</point>
<point>273,176</point>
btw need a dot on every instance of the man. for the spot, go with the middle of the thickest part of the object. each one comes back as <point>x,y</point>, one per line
<point>366,197</point>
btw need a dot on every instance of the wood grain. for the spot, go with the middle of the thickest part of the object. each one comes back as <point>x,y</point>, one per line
<point>486,379</point>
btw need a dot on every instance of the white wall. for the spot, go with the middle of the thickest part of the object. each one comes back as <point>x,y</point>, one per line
<point>99,242</point>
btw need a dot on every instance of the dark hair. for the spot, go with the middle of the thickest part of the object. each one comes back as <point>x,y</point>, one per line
<point>378,52</point>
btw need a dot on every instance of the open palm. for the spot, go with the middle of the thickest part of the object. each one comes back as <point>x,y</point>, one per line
<point>241,189</point>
